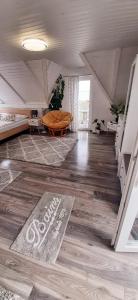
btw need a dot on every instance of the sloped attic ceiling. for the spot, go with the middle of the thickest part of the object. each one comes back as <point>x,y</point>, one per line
<point>69,27</point>
<point>27,83</point>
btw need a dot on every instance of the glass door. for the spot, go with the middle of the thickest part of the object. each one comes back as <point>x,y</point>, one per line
<point>83,104</point>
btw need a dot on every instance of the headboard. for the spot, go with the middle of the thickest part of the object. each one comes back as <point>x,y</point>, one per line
<point>20,111</point>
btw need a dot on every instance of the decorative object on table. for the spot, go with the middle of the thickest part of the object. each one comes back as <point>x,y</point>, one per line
<point>40,149</point>
<point>57,121</point>
<point>57,94</point>
<point>35,124</point>
<point>97,126</point>
<point>117,109</point>
<point>42,235</point>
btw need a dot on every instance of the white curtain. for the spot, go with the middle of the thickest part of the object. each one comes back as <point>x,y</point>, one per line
<point>90,104</point>
<point>71,99</point>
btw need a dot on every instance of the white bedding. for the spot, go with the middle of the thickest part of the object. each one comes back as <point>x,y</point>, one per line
<point>7,125</point>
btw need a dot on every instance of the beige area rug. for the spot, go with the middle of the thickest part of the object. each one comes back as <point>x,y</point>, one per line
<point>42,235</point>
<point>39,149</point>
<point>6,177</point>
<point>8,295</point>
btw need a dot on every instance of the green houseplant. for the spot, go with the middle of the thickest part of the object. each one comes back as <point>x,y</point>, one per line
<point>117,109</point>
<point>57,94</point>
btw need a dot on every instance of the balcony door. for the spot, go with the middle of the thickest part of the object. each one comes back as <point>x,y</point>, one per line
<point>84,103</point>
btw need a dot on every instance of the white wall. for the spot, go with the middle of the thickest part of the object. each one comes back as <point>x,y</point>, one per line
<point>126,58</point>
<point>131,127</point>
<point>7,95</point>
<point>75,71</point>
<point>113,68</point>
<point>100,104</point>
<point>27,84</point>
<point>53,71</point>
<point>105,64</point>
<point>19,78</point>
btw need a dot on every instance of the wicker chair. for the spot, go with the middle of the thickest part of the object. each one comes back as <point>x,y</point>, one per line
<point>57,121</point>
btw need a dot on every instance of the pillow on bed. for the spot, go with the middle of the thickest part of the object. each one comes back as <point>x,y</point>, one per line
<point>19,117</point>
<point>3,116</point>
<point>7,117</point>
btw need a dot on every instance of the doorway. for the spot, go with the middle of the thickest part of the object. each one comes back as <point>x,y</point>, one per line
<point>83,103</point>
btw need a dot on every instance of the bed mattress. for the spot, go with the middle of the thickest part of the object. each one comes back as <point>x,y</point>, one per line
<point>4,125</point>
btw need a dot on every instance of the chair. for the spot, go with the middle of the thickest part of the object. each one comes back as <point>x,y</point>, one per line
<point>57,121</point>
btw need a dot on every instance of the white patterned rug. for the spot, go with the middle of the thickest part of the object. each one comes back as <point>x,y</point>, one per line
<point>6,177</point>
<point>8,295</point>
<point>38,149</point>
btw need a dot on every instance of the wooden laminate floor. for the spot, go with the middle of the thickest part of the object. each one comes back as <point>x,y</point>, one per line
<point>87,267</point>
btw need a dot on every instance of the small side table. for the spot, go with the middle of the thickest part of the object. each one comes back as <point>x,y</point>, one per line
<point>34,123</point>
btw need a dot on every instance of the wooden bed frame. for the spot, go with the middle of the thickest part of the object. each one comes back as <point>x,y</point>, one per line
<point>11,132</point>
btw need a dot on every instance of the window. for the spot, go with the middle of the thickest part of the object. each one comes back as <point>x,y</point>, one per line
<point>83,103</point>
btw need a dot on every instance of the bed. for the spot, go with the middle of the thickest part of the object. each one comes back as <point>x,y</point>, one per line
<point>13,121</point>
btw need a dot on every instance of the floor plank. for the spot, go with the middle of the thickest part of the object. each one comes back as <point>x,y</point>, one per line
<point>15,282</point>
<point>87,267</point>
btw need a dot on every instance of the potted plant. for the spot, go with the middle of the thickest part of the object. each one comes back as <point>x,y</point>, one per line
<point>57,94</point>
<point>97,126</point>
<point>117,109</point>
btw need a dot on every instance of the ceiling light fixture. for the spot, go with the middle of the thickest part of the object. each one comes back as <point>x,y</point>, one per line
<point>34,45</point>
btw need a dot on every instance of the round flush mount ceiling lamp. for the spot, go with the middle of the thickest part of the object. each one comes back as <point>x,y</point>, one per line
<point>34,45</point>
